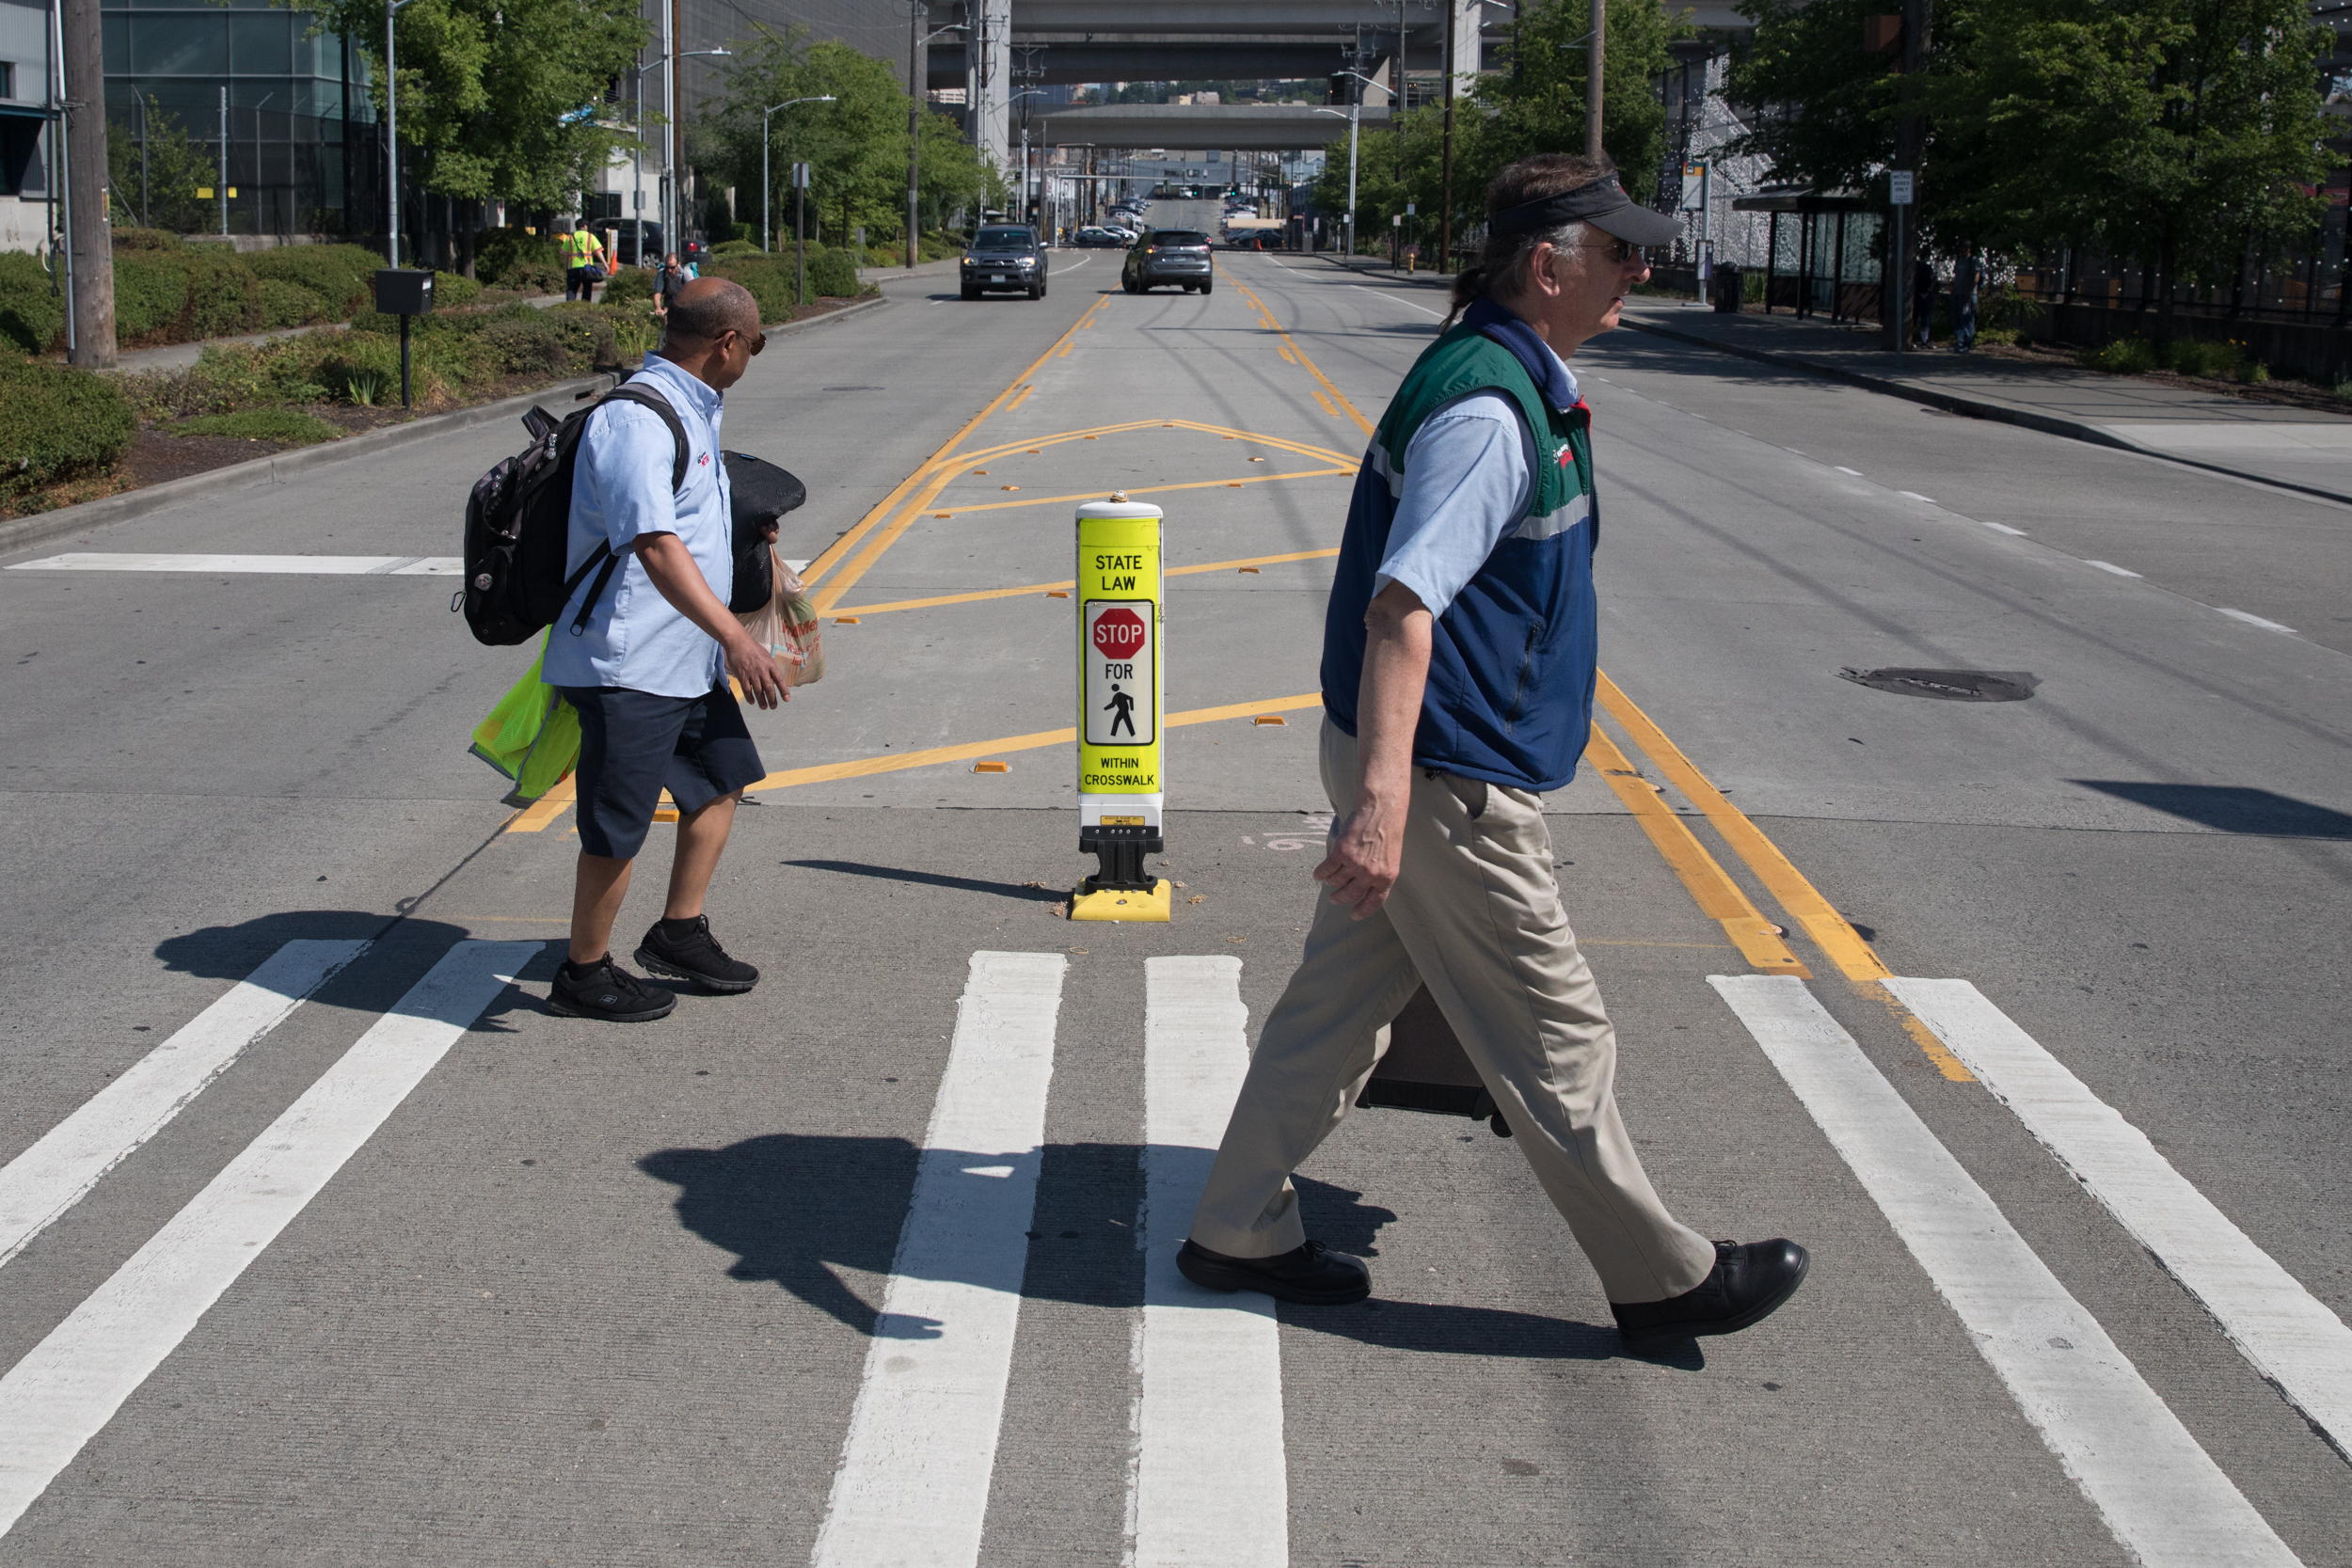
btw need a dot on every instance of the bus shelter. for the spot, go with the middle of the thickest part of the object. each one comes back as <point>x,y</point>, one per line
<point>1823,255</point>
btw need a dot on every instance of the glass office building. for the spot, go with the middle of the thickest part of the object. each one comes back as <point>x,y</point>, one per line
<point>287,105</point>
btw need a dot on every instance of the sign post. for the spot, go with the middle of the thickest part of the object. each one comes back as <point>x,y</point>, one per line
<point>1899,192</point>
<point>1122,747</point>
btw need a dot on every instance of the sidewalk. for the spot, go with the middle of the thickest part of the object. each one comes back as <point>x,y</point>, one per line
<point>2299,448</point>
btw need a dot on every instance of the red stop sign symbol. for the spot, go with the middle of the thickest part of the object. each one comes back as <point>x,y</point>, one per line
<point>1119,634</point>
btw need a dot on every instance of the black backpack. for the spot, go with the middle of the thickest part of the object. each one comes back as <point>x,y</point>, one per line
<point>518,526</point>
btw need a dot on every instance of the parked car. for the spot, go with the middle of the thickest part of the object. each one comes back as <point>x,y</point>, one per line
<point>624,251</point>
<point>1178,256</point>
<point>1004,257</point>
<point>1094,236</point>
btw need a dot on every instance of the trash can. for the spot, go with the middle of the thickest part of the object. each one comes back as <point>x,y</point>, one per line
<point>1730,289</point>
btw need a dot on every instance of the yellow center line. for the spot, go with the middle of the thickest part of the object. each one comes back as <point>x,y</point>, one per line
<point>962,507</point>
<point>1032,590</point>
<point>1717,896</point>
<point>546,808</point>
<point>867,767</point>
<point>1291,344</point>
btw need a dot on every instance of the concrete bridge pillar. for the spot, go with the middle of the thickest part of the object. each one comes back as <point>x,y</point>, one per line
<point>988,79</point>
<point>1466,18</point>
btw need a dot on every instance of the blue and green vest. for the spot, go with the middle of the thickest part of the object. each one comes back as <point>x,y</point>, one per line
<point>1511,659</point>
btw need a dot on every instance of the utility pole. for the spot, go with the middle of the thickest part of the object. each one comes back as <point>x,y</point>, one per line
<point>1910,135</point>
<point>677,130</point>
<point>1594,80</point>
<point>87,236</point>
<point>1445,178</point>
<point>918,83</point>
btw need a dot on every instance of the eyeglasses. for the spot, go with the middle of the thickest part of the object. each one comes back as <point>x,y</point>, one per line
<point>756,342</point>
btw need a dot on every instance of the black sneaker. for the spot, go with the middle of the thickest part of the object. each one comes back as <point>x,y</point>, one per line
<point>696,957</point>
<point>608,991</point>
<point>1747,1284</point>
<point>1312,1275</point>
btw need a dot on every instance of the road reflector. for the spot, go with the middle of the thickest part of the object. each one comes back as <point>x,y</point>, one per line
<point>1008,487</point>
<point>1232,484</point>
<point>1269,719</point>
<point>1057,593</point>
<point>981,471</point>
<point>845,620</point>
<point>943,514</point>
<point>1121,678</point>
<point>991,767</point>
<point>1251,571</point>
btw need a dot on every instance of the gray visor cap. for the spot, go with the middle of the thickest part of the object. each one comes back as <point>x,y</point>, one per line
<point>1602,203</point>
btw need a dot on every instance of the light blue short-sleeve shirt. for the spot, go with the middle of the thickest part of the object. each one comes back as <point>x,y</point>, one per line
<point>1469,477</point>
<point>621,492</point>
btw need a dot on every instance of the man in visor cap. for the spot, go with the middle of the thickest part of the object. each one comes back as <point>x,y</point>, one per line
<point>1458,667</point>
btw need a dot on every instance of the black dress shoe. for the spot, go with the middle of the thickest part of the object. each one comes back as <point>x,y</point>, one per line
<point>1312,1275</point>
<point>1748,1282</point>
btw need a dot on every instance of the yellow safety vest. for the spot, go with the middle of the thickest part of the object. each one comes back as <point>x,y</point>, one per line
<point>581,248</point>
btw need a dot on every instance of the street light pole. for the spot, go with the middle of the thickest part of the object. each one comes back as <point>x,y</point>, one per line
<point>766,185</point>
<point>1594,81</point>
<point>637,177</point>
<point>392,144</point>
<point>919,79</point>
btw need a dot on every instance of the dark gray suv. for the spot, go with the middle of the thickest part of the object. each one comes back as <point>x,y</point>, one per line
<point>1005,257</point>
<point>1179,256</point>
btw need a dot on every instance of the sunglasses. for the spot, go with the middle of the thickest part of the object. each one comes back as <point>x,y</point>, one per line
<point>1620,251</point>
<point>756,342</point>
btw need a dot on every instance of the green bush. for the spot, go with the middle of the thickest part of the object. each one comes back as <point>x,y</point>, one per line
<point>31,316</point>
<point>224,295</point>
<point>511,257</point>
<point>587,335</point>
<point>150,295</point>
<point>262,424</point>
<point>735,248</point>
<point>2203,356</point>
<point>342,275</point>
<point>57,424</point>
<point>455,291</point>
<point>2122,356</point>
<point>632,286</point>
<point>285,304</point>
<point>832,274</point>
<point>528,345</point>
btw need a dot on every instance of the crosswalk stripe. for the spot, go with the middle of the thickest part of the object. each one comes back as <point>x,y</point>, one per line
<point>69,1160</point>
<point>1210,1487</point>
<point>70,1386</point>
<point>2288,1334</point>
<point>2160,1493</point>
<point>912,1490</point>
<point>292,565</point>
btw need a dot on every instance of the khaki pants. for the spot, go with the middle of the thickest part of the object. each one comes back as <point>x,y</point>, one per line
<point>1475,914</point>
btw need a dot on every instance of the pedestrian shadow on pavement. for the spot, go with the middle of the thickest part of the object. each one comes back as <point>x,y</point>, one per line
<point>933,879</point>
<point>804,1210</point>
<point>404,949</point>
<point>2230,808</point>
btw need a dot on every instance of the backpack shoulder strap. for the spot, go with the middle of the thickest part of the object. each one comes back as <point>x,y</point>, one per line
<point>646,397</point>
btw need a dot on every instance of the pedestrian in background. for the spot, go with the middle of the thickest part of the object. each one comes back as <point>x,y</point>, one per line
<point>583,259</point>
<point>1458,667</point>
<point>1923,296</point>
<point>668,281</point>
<point>1967,277</point>
<point>648,672</point>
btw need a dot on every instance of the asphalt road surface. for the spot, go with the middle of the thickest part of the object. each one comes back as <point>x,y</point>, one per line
<point>321,1241</point>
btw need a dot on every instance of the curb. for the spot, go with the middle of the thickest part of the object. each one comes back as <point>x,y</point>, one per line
<point>1387,275</point>
<point>42,527</point>
<point>2049,424</point>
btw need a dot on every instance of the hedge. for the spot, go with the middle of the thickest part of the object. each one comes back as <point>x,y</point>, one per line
<point>57,424</point>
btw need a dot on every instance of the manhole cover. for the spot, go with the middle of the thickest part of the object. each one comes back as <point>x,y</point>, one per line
<point>1950,685</point>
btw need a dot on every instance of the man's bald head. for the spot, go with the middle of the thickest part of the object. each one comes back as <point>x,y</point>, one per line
<point>707,309</point>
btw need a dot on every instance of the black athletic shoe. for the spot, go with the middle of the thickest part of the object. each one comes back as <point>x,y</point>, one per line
<point>608,991</point>
<point>1312,1275</point>
<point>1748,1283</point>
<point>695,957</point>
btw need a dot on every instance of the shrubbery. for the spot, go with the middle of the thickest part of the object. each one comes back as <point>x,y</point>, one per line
<point>508,257</point>
<point>775,279</point>
<point>57,424</point>
<point>2122,356</point>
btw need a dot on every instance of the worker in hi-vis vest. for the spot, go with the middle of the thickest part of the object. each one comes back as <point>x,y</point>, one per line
<point>581,251</point>
<point>1458,672</point>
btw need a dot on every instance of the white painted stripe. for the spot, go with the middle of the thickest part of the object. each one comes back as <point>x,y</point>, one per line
<point>1915,495</point>
<point>1843,470</point>
<point>309,565</point>
<point>1408,304</point>
<point>2288,1334</point>
<point>2004,528</point>
<point>2111,567</point>
<point>59,1170</point>
<point>71,1385</point>
<point>2162,1495</point>
<point>1210,1487</point>
<point>2253,620</point>
<point>912,1488</point>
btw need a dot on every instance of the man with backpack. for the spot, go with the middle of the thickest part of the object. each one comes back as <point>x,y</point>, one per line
<point>583,263</point>
<point>647,661</point>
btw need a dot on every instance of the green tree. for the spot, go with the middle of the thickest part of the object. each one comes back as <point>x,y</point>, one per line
<point>1819,110</point>
<point>1536,105</point>
<point>2184,134</point>
<point>502,98</point>
<point>855,146</point>
<point>177,166</point>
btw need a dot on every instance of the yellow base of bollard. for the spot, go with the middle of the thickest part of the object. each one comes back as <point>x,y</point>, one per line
<point>1111,904</point>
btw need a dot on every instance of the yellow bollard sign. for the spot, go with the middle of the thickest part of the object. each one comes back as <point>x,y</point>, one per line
<point>1122,666</point>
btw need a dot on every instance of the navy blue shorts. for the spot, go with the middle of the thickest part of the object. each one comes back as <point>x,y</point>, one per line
<point>635,744</point>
